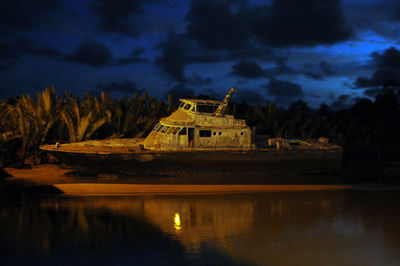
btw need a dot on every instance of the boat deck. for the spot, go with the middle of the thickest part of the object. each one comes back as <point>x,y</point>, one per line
<point>134,146</point>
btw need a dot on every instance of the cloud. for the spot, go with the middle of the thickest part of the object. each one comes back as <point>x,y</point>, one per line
<point>117,16</point>
<point>284,89</point>
<point>387,72</point>
<point>300,23</point>
<point>249,96</point>
<point>28,46</point>
<point>126,86</point>
<point>282,68</point>
<point>134,57</point>
<point>220,31</point>
<point>12,50</point>
<point>197,80</point>
<point>248,69</point>
<point>20,15</point>
<point>382,77</point>
<point>8,57</point>
<point>389,59</point>
<point>312,75</point>
<point>342,102</point>
<point>379,17</point>
<point>174,55</point>
<point>326,68</point>
<point>214,26</point>
<point>179,92</point>
<point>396,13</point>
<point>92,53</point>
<point>373,92</point>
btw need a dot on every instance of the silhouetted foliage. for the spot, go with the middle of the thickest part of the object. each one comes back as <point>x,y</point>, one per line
<point>368,129</point>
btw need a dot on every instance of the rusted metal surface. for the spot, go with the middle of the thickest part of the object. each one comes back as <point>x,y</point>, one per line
<point>189,128</point>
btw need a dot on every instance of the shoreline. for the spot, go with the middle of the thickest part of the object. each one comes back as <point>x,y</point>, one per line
<point>54,179</point>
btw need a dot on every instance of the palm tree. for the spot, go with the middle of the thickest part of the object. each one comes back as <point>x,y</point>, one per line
<point>82,119</point>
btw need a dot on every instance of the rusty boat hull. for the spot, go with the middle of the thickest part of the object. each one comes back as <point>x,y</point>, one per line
<point>257,166</point>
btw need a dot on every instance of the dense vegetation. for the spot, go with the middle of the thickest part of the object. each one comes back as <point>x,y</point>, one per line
<point>368,129</point>
<point>26,122</point>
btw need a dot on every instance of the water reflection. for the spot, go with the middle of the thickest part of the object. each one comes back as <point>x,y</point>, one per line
<point>311,228</point>
<point>177,223</point>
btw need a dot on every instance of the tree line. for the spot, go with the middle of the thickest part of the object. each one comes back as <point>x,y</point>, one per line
<point>369,129</point>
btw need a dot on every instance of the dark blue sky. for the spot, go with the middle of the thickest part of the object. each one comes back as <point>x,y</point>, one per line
<point>319,51</point>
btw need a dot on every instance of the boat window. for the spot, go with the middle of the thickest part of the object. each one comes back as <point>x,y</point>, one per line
<point>176,130</point>
<point>242,133</point>
<point>165,129</point>
<point>187,106</point>
<point>220,133</point>
<point>160,128</point>
<point>214,133</point>
<point>194,109</point>
<point>206,108</point>
<point>183,131</point>
<point>181,105</point>
<point>205,133</point>
<point>170,130</point>
<point>157,126</point>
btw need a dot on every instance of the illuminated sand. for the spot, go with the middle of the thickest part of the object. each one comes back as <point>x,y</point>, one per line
<point>92,189</point>
<point>41,174</point>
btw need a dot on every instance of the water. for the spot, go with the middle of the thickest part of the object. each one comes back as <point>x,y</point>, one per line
<point>281,228</point>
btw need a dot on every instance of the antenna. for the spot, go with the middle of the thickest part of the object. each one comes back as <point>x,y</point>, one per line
<point>221,108</point>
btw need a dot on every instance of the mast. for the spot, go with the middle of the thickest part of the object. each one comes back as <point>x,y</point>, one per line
<point>221,108</point>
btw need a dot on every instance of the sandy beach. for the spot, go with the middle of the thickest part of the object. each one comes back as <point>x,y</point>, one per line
<point>53,178</point>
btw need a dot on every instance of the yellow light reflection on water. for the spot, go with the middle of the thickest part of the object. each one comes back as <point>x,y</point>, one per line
<point>177,222</point>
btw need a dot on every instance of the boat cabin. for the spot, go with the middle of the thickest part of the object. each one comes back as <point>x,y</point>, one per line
<point>200,125</point>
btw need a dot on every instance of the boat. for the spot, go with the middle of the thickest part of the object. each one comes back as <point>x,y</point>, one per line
<point>199,143</point>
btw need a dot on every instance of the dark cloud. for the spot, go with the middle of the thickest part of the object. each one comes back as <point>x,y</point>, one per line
<point>282,68</point>
<point>319,71</point>
<point>373,92</point>
<point>179,92</point>
<point>301,23</point>
<point>134,57</point>
<point>44,51</point>
<point>17,15</point>
<point>92,53</point>
<point>28,46</point>
<point>12,50</point>
<point>387,72</point>
<point>197,80</point>
<point>326,69</point>
<point>284,89</point>
<point>174,55</point>
<point>249,96</point>
<point>390,58</point>
<point>117,16</point>
<point>312,75</point>
<point>378,17</point>
<point>248,69</point>
<point>8,57</point>
<point>214,26</point>
<point>382,77</point>
<point>126,86</point>
<point>396,12</point>
<point>342,102</point>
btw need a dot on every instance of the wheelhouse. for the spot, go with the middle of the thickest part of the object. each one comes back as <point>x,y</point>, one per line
<point>200,125</point>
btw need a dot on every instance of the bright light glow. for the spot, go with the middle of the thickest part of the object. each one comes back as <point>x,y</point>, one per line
<point>177,222</point>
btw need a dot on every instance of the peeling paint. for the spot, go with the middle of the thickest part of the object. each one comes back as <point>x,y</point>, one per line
<point>199,130</point>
